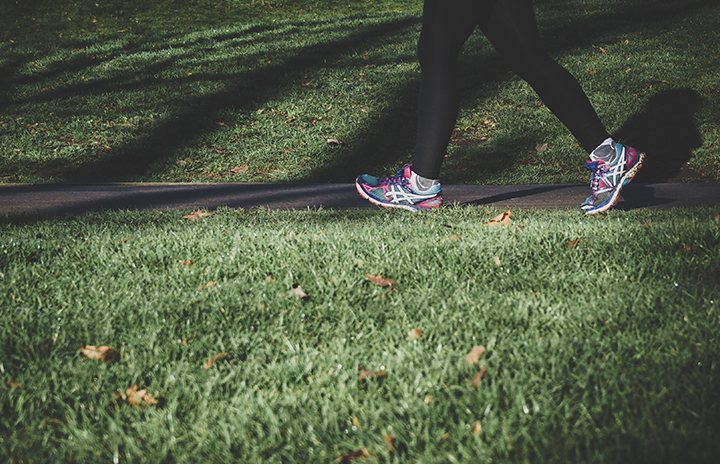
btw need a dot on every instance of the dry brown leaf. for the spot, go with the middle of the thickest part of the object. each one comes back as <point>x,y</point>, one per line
<point>496,261</point>
<point>334,142</point>
<point>366,375</point>
<point>428,399</point>
<point>473,357</point>
<point>270,278</point>
<point>380,280</point>
<point>454,237</point>
<point>100,353</point>
<point>355,422</point>
<point>602,50</point>
<point>13,384</point>
<point>503,219</point>
<point>347,458</point>
<point>478,378</point>
<point>541,147</point>
<point>572,244</point>
<point>187,262</point>
<point>240,169</point>
<point>207,285</point>
<point>209,363</point>
<point>415,333</point>
<point>299,292</point>
<point>198,214</point>
<point>359,263</point>
<point>390,442</point>
<point>477,428</point>
<point>135,397</point>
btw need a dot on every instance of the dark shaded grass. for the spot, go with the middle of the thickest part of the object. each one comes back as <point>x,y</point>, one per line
<point>190,102</point>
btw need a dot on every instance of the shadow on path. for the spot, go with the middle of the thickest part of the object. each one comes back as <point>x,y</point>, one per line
<point>29,203</point>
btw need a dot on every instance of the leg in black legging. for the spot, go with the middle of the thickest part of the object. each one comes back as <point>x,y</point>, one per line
<point>510,26</point>
<point>446,26</point>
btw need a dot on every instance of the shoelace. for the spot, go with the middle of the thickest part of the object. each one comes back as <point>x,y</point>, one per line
<point>398,178</point>
<point>597,174</point>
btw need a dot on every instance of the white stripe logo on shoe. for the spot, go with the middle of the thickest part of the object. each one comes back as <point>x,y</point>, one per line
<point>397,194</point>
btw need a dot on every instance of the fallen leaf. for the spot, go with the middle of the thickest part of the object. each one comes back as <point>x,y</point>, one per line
<point>359,263</point>
<point>541,147</point>
<point>334,142</point>
<point>100,353</point>
<point>496,261</point>
<point>355,422</point>
<point>13,384</point>
<point>428,399</point>
<point>602,50</point>
<point>646,225</point>
<point>473,357</point>
<point>240,169</point>
<point>206,285</point>
<point>366,375</point>
<point>195,215</point>
<point>380,280</point>
<point>299,292</point>
<point>478,378</point>
<point>477,428</point>
<point>504,219</point>
<point>209,363</point>
<point>270,278</point>
<point>415,334</point>
<point>135,397</point>
<point>572,244</point>
<point>353,456</point>
<point>390,442</point>
<point>454,237</point>
<point>187,262</point>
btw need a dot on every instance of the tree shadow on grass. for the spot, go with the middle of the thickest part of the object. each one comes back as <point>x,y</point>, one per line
<point>387,138</point>
<point>244,93</point>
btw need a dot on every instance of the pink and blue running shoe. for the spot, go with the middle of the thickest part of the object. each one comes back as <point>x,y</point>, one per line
<point>396,191</point>
<point>608,178</point>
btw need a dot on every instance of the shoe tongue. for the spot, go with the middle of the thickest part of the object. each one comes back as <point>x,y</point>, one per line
<point>407,170</point>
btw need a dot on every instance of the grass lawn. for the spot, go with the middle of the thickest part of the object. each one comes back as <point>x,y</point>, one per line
<point>252,90</point>
<point>600,334</point>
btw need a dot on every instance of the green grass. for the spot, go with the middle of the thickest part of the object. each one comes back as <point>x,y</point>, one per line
<point>150,91</point>
<point>603,352</point>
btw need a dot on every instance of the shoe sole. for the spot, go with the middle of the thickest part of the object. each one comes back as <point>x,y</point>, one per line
<point>376,202</point>
<point>629,176</point>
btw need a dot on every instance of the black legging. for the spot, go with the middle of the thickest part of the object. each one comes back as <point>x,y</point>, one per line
<point>510,27</point>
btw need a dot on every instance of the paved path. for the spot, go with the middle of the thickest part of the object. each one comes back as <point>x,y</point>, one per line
<point>54,200</point>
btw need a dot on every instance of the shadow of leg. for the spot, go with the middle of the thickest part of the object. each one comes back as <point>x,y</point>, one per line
<point>666,131</point>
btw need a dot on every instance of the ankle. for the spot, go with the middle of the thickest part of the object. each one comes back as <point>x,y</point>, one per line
<point>422,184</point>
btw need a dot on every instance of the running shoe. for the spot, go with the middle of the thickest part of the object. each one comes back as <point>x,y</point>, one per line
<point>396,191</point>
<point>608,178</point>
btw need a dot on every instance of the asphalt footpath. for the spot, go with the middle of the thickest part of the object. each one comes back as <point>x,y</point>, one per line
<point>45,201</point>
